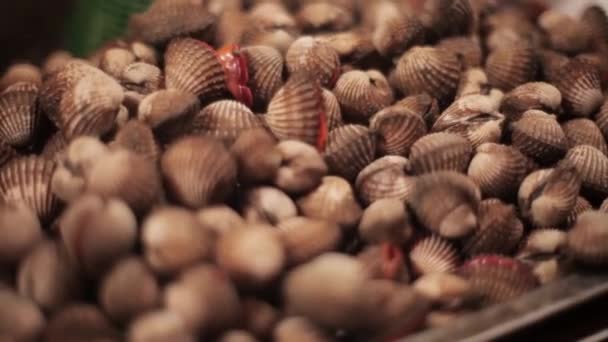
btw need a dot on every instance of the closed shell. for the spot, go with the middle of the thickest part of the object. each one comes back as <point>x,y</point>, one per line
<point>588,239</point>
<point>422,104</point>
<point>468,49</point>
<point>447,18</point>
<point>532,95</point>
<point>142,78</point>
<point>542,242</point>
<point>224,120</point>
<point>363,93</point>
<point>265,65</point>
<point>386,220</point>
<point>169,112</point>
<point>581,206</point>
<point>332,110</point>
<point>397,129</point>
<point>306,238</point>
<point>539,136</point>
<point>302,167</point>
<point>592,166</point>
<point>434,254</point>
<point>19,116</point>
<point>512,65</point>
<point>385,178</point>
<point>579,83</point>
<point>564,33</point>
<point>350,148</point>
<point>315,58</point>
<point>396,32</point>
<point>440,151</point>
<point>601,119</point>
<point>324,16</point>
<point>137,137</point>
<point>584,132</point>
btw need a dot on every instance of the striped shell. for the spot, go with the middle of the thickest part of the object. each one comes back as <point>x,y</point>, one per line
<point>7,153</point>
<point>397,130</point>
<point>395,32</point>
<point>448,18</point>
<point>169,112</point>
<point>423,105</point>
<point>350,148</point>
<point>584,132</point>
<point>54,145</point>
<point>434,254</point>
<point>315,58</point>
<point>601,119</point>
<point>500,231</point>
<point>498,279</point>
<point>565,33</point>
<point>225,120</point>
<point>20,72</point>
<point>588,239</point>
<point>440,151</point>
<point>551,63</point>
<point>81,100</point>
<point>579,83</point>
<point>447,203</point>
<point>547,197</point>
<point>192,66</point>
<point>28,180</point>
<point>532,95</point>
<point>198,171</point>
<point>539,136</point>
<point>385,178</point>
<point>511,65</point>
<point>596,20</point>
<point>265,65</point>
<point>332,110</point>
<point>115,60</point>
<point>137,137</point>
<point>468,49</point>
<point>362,93</point>
<point>324,16</point>
<point>592,165</point>
<point>19,114</point>
<point>473,81</point>
<point>581,206</point>
<point>499,170</point>
<point>428,70</point>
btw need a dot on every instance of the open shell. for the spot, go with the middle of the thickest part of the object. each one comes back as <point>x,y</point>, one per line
<point>539,136</point>
<point>440,151</point>
<point>363,93</point>
<point>19,115</point>
<point>397,130</point>
<point>385,178</point>
<point>350,148</point>
<point>579,83</point>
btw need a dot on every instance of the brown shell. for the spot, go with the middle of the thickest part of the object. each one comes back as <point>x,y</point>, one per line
<point>224,120</point>
<point>166,19</point>
<point>551,63</point>
<point>440,151</point>
<point>473,81</point>
<point>80,322</point>
<point>422,104</point>
<point>20,72</point>
<point>258,157</point>
<point>334,201</point>
<point>584,132</point>
<point>542,242</point>
<point>474,117</point>
<point>28,180</point>
<point>271,14</point>
<point>198,171</point>
<point>395,32</point>
<point>192,66</point>
<point>532,95</point>
<point>352,46</point>
<point>54,145</point>
<point>55,61</point>
<point>447,203</point>
<point>547,197</point>
<point>579,83</point>
<point>448,18</point>
<point>142,78</point>
<point>81,100</point>
<point>434,254</point>
<point>468,49</point>
<point>363,93</point>
<point>350,148</point>
<point>137,137</point>
<point>324,16</point>
<point>169,112</point>
<point>500,231</point>
<point>266,205</point>
<point>115,60</point>
<point>385,178</point>
<point>595,19</point>
<point>539,136</point>
<point>333,112</point>
<point>279,38</point>
<point>265,67</point>
<point>19,114</point>
<point>580,207</point>
<point>315,58</point>
<point>588,239</point>
<point>295,110</point>
<point>301,167</point>
<point>604,206</point>
<point>592,165</point>
<point>499,170</point>
<point>397,130</point>
<point>384,261</point>
<point>428,70</point>
<point>512,65</point>
<point>601,119</point>
<point>564,33</point>
<point>498,279</point>
<point>306,238</point>
<point>386,221</point>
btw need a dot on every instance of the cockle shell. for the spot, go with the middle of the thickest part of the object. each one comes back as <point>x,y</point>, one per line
<point>584,132</point>
<point>271,14</point>
<point>512,65</point>
<point>363,93</point>
<point>447,18</point>
<point>257,156</point>
<point>265,65</point>
<point>532,95</point>
<point>473,81</point>
<point>352,46</point>
<point>596,21</point>
<point>324,16</point>
<point>19,114</point>
<point>20,72</point>
<point>279,38</point>
<point>581,206</point>
<point>385,178</point>
<point>551,62</point>
<point>267,205</point>
<point>350,148</point>
<point>332,110</point>
<point>397,130</point>
<point>302,167</point>
<point>142,78</point>
<point>386,220</point>
<point>315,58</point>
<point>592,166</point>
<point>543,242</point>
<point>7,153</point>
<point>396,32</point>
<point>564,33</point>
<point>198,171</point>
<point>434,254</point>
<point>468,49</point>
<point>224,120</point>
<point>137,137</point>
<point>423,105</point>
<point>539,136</point>
<point>601,119</point>
<point>440,151</point>
<point>115,60</point>
<point>579,83</point>
<point>588,239</point>
<point>306,238</point>
<point>169,112</point>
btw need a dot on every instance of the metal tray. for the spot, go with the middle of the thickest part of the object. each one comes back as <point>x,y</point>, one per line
<point>504,319</point>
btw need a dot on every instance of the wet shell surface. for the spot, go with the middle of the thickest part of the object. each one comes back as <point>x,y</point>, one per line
<point>350,148</point>
<point>315,58</point>
<point>428,70</point>
<point>584,132</point>
<point>265,65</point>
<point>440,151</point>
<point>532,95</point>
<point>434,254</point>
<point>588,239</point>
<point>592,166</point>
<point>198,171</point>
<point>466,48</point>
<point>363,93</point>
<point>511,65</point>
<point>579,83</point>
<point>192,66</point>
<point>539,136</point>
<point>225,120</point>
<point>397,130</point>
<point>19,114</point>
<point>27,180</point>
<point>385,178</point>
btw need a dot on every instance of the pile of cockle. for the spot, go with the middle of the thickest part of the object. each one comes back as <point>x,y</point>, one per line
<point>301,170</point>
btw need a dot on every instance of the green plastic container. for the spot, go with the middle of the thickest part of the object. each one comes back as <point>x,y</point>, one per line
<point>97,21</point>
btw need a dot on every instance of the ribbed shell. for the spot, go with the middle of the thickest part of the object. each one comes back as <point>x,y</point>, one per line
<point>428,70</point>
<point>332,110</point>
<point>473,81</point>
<point>137,137</point>
<point>315,58</point>
<point>596,20</point>
<point>588,239</point>
<point>498,279</point>
<point>592,165</point>
<point>500,231</point>
<point>225,120</point>
<point>7,153</point>
<point>54,145</point>
<point>395,33</point>
<point>192,66</point>
<point>533,95</point>
<point>499,170</point>
<point>547,197</point>
<point>467,49</point>
<point>397,130</point>
<point>19,114</point>
<point>580,207</point>
<point>601,119</point>
<point>564,33</point>
<point>169,112</point>
<point>440,151</point>
<point>584,132</point>
<point>324,16</point>
<point>385,178</point>
<point>279,38</point>
<point>296,110</point>
<point>551,63</point>
<point>198,171</point>
<point>352,46</point>
<point>28,180</point>
<point>265,66</point>
<point>512,65</point>
<point>362,93</point>
<point>539,136</point>
<point>446,18</point>
<point>579,83</point>
<point>434,254</point>
<point>422,104</point>
<point>20,72</point>
<point>604,206</point>
<point>142,78</point>
<point>81,100</point>
<point>447,203</point>
<point>350,148</point>
<point>166,19</point>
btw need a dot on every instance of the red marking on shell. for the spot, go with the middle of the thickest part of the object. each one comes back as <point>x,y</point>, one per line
<point>392,260</point>
<point>237,73</point>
